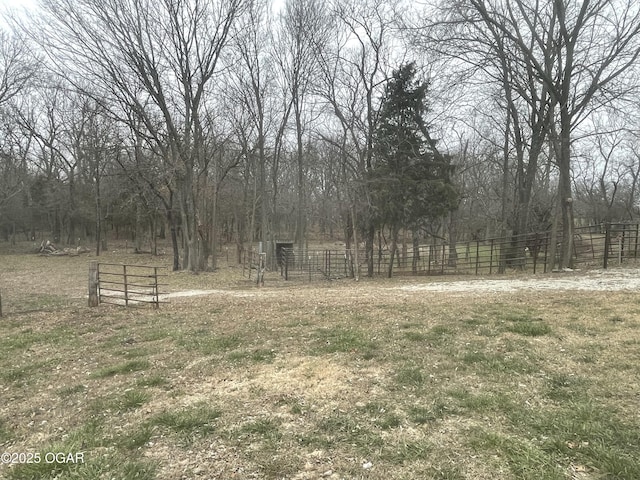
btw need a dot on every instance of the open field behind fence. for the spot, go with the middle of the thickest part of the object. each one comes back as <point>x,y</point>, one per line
<point>595,246</point>
<point>379,379</point>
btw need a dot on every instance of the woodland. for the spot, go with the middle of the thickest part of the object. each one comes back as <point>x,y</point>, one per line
<point>232,122</point>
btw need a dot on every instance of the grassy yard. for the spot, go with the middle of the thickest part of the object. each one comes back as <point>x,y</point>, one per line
<point>338,381</point>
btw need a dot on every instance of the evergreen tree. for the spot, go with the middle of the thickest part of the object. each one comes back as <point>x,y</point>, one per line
<point>410,180</point>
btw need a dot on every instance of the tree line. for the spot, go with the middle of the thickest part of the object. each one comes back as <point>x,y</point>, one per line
<point>213,122</point>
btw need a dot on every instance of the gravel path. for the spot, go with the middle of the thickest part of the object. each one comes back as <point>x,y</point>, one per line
<point>592,280</point>
<point>623,279</point>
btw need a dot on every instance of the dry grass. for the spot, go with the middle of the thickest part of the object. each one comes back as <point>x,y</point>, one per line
<point>336,380</point>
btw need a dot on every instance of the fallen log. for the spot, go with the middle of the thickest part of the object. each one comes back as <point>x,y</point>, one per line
<point>48,248</point>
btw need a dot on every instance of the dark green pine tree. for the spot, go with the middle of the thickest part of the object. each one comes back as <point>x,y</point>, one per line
<point>410,181</point>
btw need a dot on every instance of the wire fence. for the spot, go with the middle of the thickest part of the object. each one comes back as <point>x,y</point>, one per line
<point>598,246</point>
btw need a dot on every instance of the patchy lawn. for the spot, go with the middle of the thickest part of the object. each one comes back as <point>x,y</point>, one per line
<point>337,380</point>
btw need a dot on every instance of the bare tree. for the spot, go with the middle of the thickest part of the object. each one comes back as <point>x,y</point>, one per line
<point>354,65</point>
<point>605,176</point>
<point>18,65</point>
<point>156,60</point>
<point>15,181</point>
<point>49,117</point>
<point>256,106</point>
<point>303,27</point>
<point>487,63</point>
<point>580,50</point>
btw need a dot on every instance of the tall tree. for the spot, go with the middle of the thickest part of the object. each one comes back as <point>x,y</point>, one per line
<point>354,66</point>
<point>157,60</point>
<point>410,180</point>
<point>256,106</point>
<point>520,106</point>
<point>304,25</point>
<point>18,66</point>
<point>579,50</point>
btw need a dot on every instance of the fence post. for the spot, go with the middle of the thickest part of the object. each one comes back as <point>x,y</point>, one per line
<point>477,255</point>
<point>94,299</point>
<point>0,303</point>
<point>156,302</point>
<point>262,265</point>
<point>546,250</point>
<point>620,246</point>
<point>126,286</point>
<point>258,268</point>
<point>286,263</point>
<point>346,262</point>
<point>607,242</point>
<point>491,258</point>
<point>534,253</point>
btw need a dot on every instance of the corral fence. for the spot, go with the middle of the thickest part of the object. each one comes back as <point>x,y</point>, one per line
<point>128,285</point>
<point>295,265</point>
<point>254,266</point>
<point>596,246</point>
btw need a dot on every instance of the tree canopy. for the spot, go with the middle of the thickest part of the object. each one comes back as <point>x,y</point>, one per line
<point>411,180</point>
<point>243,121</point>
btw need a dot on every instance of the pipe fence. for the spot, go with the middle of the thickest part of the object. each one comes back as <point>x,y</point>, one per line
<point>597,246</point>
<point>128,285</point>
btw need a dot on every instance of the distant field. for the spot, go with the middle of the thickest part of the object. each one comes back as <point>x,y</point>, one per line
<point>336,380</point>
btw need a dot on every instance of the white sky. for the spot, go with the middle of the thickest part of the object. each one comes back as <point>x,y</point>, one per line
<point>29,4</point>
<point>15,5</point>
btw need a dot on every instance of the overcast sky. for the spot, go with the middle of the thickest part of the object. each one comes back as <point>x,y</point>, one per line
<point>19,4</point>
<point>15,5</point>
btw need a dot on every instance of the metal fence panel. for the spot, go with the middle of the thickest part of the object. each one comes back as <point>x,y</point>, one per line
<point>594,246</point>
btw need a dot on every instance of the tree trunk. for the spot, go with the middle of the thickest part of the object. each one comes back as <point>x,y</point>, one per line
<point>154,236</point>
<point>394,247</point>
<point>356,259</point>
<point>564,189</point>
<point>416,252</point>
<point>174,240</point>
<point>98,212</point>
<point>214,227</point>
<point>453,238</point>
<point>264,202</point>
<point>301,213</point>
<point>502,267</point>
<point>139,227</point>
<point>189,222</point>
<point>553,242</point>
<point>371,233</point>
